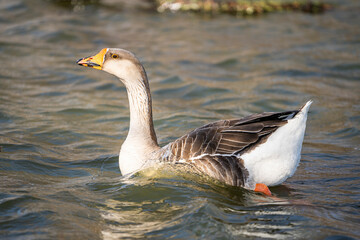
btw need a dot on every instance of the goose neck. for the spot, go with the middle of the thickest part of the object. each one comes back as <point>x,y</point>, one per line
<point>141,120</point>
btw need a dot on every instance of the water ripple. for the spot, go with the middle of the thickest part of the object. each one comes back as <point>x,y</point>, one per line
<point>61,126</point>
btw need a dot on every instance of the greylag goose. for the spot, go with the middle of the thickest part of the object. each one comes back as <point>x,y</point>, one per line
<point>253,152</point>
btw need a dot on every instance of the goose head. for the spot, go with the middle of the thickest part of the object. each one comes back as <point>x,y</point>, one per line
<point>118,62</point>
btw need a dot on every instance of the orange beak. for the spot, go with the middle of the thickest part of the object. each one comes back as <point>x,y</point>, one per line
<point>95,61</point>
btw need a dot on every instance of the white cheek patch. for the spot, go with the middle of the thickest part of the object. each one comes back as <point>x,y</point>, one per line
<point>123,69</point>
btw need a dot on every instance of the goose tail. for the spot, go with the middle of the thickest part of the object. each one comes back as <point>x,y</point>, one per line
<point>305,108</point>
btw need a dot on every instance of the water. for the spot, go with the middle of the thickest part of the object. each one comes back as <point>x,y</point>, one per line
<point>61,126</point>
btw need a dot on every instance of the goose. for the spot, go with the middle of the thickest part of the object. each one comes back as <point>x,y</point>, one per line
<point>253,152</point>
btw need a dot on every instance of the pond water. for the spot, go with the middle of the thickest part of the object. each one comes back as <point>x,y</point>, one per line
<point>61,126</point>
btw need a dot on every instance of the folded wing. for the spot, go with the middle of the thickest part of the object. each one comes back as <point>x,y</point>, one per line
<point>216,148</point>
<point>228,137</point>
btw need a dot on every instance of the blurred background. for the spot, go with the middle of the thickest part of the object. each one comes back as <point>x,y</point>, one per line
<point>61,126</point>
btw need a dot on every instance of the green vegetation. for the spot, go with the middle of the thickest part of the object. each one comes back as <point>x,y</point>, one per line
<point>241,7</point>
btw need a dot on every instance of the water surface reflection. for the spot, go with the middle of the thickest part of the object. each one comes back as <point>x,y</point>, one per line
<point>61,126</point>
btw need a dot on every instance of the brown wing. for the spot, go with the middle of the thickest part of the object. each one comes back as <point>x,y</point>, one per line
<point>230,137</point>
<point>215,149</point>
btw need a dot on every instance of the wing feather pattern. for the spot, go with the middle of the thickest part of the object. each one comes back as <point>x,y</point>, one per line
<point>216,148</point>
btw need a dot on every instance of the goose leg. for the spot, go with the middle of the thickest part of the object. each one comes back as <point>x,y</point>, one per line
<point>260,187</point>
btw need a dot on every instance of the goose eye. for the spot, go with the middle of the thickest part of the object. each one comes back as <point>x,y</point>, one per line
<point>115,56</point>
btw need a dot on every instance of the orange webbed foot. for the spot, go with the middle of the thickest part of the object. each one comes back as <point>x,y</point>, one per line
<point>260,187</point>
